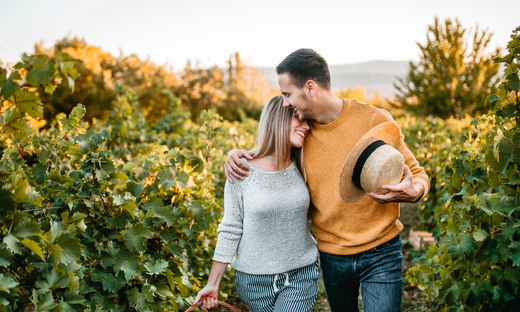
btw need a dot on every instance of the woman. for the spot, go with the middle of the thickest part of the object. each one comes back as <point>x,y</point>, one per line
<point>265,223</point>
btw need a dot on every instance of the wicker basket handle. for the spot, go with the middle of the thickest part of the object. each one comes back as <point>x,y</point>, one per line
<point>222,303</point>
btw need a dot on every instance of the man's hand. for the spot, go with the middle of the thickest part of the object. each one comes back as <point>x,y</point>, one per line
<point>404,192</point>
<point>234,166</point>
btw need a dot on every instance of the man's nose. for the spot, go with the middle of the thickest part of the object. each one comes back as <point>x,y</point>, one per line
<point>285,102</point>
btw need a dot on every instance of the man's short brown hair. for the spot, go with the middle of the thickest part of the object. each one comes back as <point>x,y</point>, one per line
<point>303,65</point>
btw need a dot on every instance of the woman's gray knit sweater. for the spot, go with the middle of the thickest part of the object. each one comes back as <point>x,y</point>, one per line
<point>265,223</point>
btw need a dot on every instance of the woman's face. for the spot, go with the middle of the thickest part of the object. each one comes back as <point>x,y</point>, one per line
<point>299,130</point>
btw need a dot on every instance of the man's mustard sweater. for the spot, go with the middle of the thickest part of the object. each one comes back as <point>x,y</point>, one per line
<point>341,228</point>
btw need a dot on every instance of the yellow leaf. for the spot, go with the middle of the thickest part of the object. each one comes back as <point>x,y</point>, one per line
<point>35,247</point>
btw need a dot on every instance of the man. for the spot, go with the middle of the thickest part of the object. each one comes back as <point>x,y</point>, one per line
<point>359,243</point>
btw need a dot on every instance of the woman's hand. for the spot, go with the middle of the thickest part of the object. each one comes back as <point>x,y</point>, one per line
<point>209,295</point>
<point>234,166</point>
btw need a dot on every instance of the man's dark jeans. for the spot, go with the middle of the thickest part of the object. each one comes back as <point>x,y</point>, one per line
<point>378,270</point>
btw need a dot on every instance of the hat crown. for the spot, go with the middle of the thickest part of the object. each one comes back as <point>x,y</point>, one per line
<point>384,166</point>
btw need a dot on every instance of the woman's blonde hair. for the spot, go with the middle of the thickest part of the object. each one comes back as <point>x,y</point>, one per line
<point>273,135</point>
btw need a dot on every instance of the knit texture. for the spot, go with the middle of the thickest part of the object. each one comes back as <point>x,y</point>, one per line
<point>341,228</point>
<point>265,223</point>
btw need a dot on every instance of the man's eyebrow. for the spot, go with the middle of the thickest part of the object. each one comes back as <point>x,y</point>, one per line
<point>285,92</point>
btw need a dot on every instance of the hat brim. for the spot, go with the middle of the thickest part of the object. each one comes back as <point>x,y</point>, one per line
<point>388,132</point>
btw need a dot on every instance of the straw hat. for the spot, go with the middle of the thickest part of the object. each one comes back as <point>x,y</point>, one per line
<point>373,162</point>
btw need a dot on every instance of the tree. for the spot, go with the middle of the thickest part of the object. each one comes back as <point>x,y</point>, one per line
<point>246,90</point>
<point>201,88</point>
<point>451,78</point>
<point>99,71</point>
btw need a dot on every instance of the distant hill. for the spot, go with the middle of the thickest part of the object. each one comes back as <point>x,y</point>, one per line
<point>375,76</point>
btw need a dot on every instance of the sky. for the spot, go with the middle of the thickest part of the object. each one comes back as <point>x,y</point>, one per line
<point>263,32</point>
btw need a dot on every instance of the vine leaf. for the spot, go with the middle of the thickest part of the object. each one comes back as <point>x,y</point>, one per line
<point>480,235</point>
<point>52,280</point>
<point>10,85</point>
<point>157,267</point>
<point>129,263</point>
<point>43,302</point>
<point>29,102</point>
<point>33,246</point>
<point>140,300</point>
<point>7,282</point>
<point>136,237</point>
<point>5,256</point>
<point>114,283</point>
<point>25,193</point>
<point>7,204</point>
<point>71,248</point>
<point>40,174</point>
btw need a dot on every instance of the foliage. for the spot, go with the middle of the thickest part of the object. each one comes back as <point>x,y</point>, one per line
<point>120,215</point>
<point>476,263</point>
<point>451,79</point>
<point>358,93</point>
<point>431,140</point>
<point>99,71</point>
<point>243,92</point>
<point>243,89</point>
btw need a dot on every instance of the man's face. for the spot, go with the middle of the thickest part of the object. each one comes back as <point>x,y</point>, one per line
<point>295,98</point>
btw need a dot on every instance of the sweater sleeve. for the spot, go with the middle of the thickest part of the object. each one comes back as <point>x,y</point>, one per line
<point>419,175</point>
<point>230,228</point>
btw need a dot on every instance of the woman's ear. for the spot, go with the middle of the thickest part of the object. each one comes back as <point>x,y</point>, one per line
<point>310,88</point>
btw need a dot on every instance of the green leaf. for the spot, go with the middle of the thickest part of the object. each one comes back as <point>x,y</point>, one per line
<point>20,129</point>
<point>114,284</point>
<point>33,246</point>
<point>513,82</point>
<point>157,267</point>
<point>7,282</point>
<point>26,227</point>
<point>7,204</point>
<point>167,178</point>
<point>12,244</point>
<point>73,283</point>
<point>29,102</point>
<point>5,256</point>
<point>51,280</point>
<point>131,208</point>
<point>101,174</point>
<point>40,74</point>
<point>3,76</point>
<point>464,248</point>
<point>78,217</point>
<point>141,300</point>
<point>71,248</point>
<point>185,291</point>
<point>128,262</point>
<point>43,302</point>
<point>25,193</point>
<point>40,173</point>
<point>515,249</point>
<point>72,297</point>
<point>480,235</point>
<point>136,238</point>
<point>10,86</point>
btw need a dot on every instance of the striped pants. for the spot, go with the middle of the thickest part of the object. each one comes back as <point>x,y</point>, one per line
<point>295,290</point>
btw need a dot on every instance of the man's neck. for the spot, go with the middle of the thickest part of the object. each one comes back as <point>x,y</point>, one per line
<point>328,109</point>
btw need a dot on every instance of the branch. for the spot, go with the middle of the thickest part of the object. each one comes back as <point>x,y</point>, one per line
<point>7,109</point>
<point>511,142</point>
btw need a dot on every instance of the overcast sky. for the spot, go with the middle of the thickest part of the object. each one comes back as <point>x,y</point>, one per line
<point>263,32</point>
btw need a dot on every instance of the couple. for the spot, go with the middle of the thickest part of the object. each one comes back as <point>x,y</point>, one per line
<point>270,189</point>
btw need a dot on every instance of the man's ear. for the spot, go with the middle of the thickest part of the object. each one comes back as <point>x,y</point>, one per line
<point>310,88</point>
